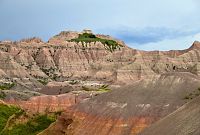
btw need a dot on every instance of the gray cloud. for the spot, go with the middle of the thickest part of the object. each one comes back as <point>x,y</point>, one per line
<point>151,34</point>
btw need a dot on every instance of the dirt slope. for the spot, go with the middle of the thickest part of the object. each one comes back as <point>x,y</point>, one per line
<point>184,121</point>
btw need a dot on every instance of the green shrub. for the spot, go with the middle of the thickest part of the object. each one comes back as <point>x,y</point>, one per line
<point>43,81</point>
<point>2,95</point>
<point>73,82</point>
<point>6,86</point>
<point>103,88</point>
<point>192,95</point>
<point>87,35</point>
<point>110,45</point>
<point>48,71</point>
<point>187,97</point>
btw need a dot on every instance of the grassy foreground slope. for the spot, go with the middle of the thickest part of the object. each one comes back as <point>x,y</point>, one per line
<point>14,121</point>
<point>6,112</point>
<point>33,126</point>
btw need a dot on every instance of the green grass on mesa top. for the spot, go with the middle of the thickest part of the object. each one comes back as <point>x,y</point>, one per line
<point>110,45</point>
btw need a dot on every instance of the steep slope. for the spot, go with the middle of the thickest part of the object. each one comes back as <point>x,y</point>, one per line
<point>130,109</point>
<point>184,121</point>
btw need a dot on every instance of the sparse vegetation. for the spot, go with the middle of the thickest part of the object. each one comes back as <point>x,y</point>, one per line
<point>110,45</point>
<point>193,95</point>
<point>43,81</point>
<point>29,66</point>
<point>103,88</point>
<point>50,72</point>
<point>73,82</point>
<point>2,95</point>
<point>6,86</point>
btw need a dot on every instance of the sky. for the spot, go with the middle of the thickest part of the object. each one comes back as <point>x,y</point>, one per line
<point>141,24</point>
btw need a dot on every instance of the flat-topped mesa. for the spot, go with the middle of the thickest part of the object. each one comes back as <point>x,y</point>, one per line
<point>67,35</point>
<point>86,36</point>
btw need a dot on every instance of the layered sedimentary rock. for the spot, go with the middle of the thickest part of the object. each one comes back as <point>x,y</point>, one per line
<point>50,103</point>
<point>130,109</point>
<point>43,104</point>
<point>63,59</point>
<point>184,121</point>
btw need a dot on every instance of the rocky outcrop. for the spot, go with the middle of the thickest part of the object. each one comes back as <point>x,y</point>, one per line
<point>43,104</point>
<point>49,103</point>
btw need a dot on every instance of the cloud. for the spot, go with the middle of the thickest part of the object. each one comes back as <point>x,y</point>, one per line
<point>156,38</point>
<point>178,43</point>
<point>137,22</point>
<point>151,34</point>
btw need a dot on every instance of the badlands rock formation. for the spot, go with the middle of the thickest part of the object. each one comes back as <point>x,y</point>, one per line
<point>49,103</point>
<point>59,59</point>
<point>152,84</point>
<point>130,109</point>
